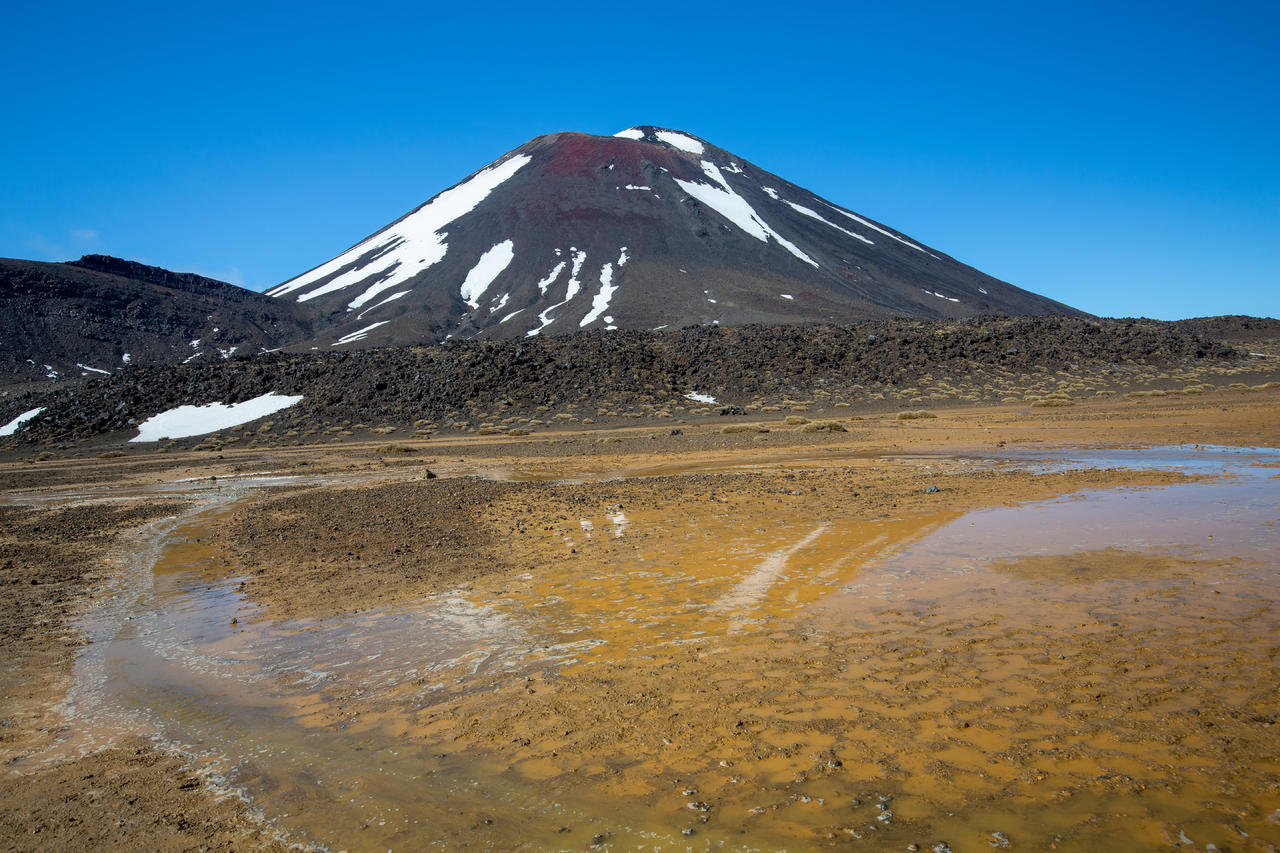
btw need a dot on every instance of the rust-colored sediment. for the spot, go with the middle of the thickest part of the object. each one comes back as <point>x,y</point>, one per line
<point>763,655</point>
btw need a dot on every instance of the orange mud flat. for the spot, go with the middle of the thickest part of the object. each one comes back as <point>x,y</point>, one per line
<point>903,635</point>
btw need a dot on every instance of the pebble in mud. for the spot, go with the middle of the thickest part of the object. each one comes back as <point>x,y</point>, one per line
<point>1000,840</point>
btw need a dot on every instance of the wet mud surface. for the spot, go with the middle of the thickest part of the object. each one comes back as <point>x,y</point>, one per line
<point>826,642</point>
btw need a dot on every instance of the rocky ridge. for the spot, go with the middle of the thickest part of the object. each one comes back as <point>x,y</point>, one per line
<point>101,314</point>
<point>619,374</point>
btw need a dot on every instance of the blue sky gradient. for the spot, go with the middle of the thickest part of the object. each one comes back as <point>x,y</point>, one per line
<point>1121,158</point>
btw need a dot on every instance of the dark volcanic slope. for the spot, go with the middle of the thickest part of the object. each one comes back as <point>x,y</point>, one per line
<point>647,229</point>
<point>617,369</point>
<point>99,314</point>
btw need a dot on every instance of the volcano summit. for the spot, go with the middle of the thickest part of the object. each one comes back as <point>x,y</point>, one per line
<point>648,229</point>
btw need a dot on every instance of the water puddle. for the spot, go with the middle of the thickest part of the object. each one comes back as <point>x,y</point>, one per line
<point>1093,672</point>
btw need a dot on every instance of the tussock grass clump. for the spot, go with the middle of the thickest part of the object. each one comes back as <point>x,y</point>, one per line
<point>394,448</point>
<point>734,428</point>
<point>516,433</point>
<point>823,426</point>
<point>111,454</point>
<point>795,420</point>
<point>915,415</point>
<point>1052,403</point>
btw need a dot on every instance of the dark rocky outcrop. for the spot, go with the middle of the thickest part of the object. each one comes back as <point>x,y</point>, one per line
<point>616,369</point>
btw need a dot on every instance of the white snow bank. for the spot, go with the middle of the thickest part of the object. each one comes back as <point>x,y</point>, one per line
<point>699,398</point>
<point>489,267</point>
<point>355,336</point>
<point>813,214</point>
<point>638,187</point>
<point>186,421</point>
<point>737,210</point>
<point>12,426</point>
<point>786,296</point>
<point>551,276</point>
<point>403,250</point>
<point>600,302</point>
<point>571,290</point>
<point>942,296</point>
<point>631,133</point>
<point>392,298</point>
<point>679,140</point>
<point>856,218</point>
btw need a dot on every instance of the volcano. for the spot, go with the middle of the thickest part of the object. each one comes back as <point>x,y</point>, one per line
<point>648,229</point>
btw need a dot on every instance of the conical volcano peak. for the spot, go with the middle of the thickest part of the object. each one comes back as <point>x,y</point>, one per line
<point>650,228</point>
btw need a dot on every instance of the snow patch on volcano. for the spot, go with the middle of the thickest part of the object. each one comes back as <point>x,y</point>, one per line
<point>600,303</point>
<point>186,421</point>
<point>856,218</point>
<point>392,298</point>
<point>14,425</point>
<point>631,133</point>
<point>488,268</point>
<point>737,209</point>
<point>360,335</point>
<point>398,253</point>
<point>551,277</point>
<point>570,291</point>
<point>813,214</point>
<point>679,140</point>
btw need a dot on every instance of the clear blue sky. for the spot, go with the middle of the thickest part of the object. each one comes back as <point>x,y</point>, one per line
<point>1122,158</point>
